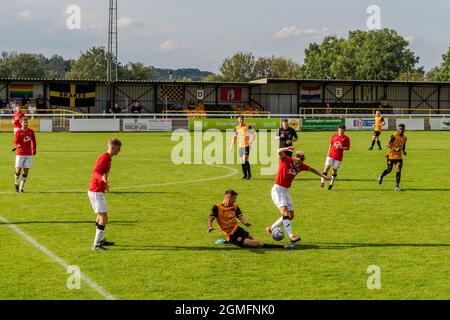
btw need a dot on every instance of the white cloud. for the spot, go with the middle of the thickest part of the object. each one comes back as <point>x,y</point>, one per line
<point>410,39</point>
<point>25,14</point>
<point>171,45</point>
<point>127,22</point>
<point>287,32</point>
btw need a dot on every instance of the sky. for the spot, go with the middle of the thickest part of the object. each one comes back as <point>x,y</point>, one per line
<point>201,33</point>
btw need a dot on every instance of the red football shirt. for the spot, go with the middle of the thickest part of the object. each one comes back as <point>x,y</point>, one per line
<point>25,142</point>
<point>16,118</point>
<point>287,172</point>
<point>335,152</point>
<point>102,166</point>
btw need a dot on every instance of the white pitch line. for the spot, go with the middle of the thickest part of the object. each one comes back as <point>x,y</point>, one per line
<point>232,173</point>
<point>91,283</point>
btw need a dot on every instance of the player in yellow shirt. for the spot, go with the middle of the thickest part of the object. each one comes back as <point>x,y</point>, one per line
<point>397,148</point>
<point>246,135</point>
<point>226,213</point>
<point>379,122</point>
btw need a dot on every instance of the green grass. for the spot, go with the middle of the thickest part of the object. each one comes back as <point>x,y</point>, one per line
<point>163,250</point>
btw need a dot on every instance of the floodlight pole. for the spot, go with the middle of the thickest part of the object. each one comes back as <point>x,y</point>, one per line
<point>112,57</point>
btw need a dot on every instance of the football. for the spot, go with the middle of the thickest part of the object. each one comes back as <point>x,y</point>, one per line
<point>277,234</point>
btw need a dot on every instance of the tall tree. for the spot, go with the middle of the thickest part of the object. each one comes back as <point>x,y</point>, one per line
<point>90,65</point>
<point>320,58</point>
<point>21,65</point>
<point>441,73</point>
<point>239,67</point>
<point>276,67</point>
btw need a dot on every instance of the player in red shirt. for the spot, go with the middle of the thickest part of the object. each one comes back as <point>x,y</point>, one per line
<point>25,145</point>
<point>288,169</point>
<point>97,188</point>
<point>338,144</point>
<point>16,120</point>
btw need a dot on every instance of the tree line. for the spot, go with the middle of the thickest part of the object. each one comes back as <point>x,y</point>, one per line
<point>363,55</point>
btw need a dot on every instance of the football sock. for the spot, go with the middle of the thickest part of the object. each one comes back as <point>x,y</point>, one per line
<point>397,178</point>
<point>98,234</point>
<point>24,179</point>
<point>379,144</point>
<point>248,168</point>
<point>373,143</point>
<point>277,223</point>
<point>333,178</point>
<point>322,180</point>
<point>16,178</point>
<point>288,226</point>
<point>102,236</point>
<point>244,170</point>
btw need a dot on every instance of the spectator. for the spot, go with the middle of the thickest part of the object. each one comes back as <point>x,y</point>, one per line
<point>115,109</point>
<point>12,105</point>
<point>136,108</point>
<point>40,104</point>
<point>32,109</point>
<point>25,100</point>
<point>328,110</point>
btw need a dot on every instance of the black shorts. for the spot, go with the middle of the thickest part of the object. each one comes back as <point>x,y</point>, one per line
<point>393,162</point>
<point>244,151</point>
<point>376,133</point>
<point>238,237</point>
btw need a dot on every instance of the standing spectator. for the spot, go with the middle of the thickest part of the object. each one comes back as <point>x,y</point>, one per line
<point>329,109</point>
<point>12,105</point>
<point>40,104</point>
<point>136,108</point>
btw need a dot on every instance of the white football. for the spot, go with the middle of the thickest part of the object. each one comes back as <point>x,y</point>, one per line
<point>277,234</point>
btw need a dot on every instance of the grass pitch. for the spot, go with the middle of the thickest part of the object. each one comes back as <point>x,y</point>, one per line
<point>158,218</point>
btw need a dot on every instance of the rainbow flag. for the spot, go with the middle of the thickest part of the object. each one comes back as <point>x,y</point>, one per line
<point>20,90</point>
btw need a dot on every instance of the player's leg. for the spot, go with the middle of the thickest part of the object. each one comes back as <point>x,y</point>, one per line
<point>385,172</point>
<point>374,138</point>
<point>102,218</point>
<point>277,200</point>
<point>378,141</point>
<point>17,173</point>
<point>398,176</point>
<point>242,161</point>
<point>326,168</point>
<point>247,164</point>
<point>24,178</point>
<point>335,164</point>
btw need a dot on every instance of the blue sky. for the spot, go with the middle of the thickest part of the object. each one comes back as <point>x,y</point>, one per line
<point>201,33</point>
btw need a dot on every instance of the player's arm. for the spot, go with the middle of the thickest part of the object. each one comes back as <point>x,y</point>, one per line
<point>33,140</point>
<point>212,216</point>
<point>346,146</point>
<point>281,151</point>
<point>278,134</point>
<point>404,149</point>
<point>389,144</point>
<point>16,139</point>
<point>241,217</point>
<point>294,136</point>
<point>320,174</point>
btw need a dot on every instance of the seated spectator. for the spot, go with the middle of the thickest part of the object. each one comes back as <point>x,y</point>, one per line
<point>32,109</point>
<point>115,109</point>
<point>26,100</point>
<point>40,104</point>
<point>136,108</point>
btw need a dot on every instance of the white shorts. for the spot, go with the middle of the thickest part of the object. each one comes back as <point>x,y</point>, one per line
<point>332,162</point>
<point>24,161</point>
<point>281,197</point>
<point>98,201</point>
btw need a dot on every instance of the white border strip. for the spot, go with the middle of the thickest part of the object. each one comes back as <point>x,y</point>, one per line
<point>91,283</point>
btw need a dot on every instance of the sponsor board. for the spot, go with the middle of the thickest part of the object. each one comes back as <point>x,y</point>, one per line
<point>227,123</point>
<point>363,124</point>
<point>440,124</point>
<point>321,124</point>
<point>143,125</point>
